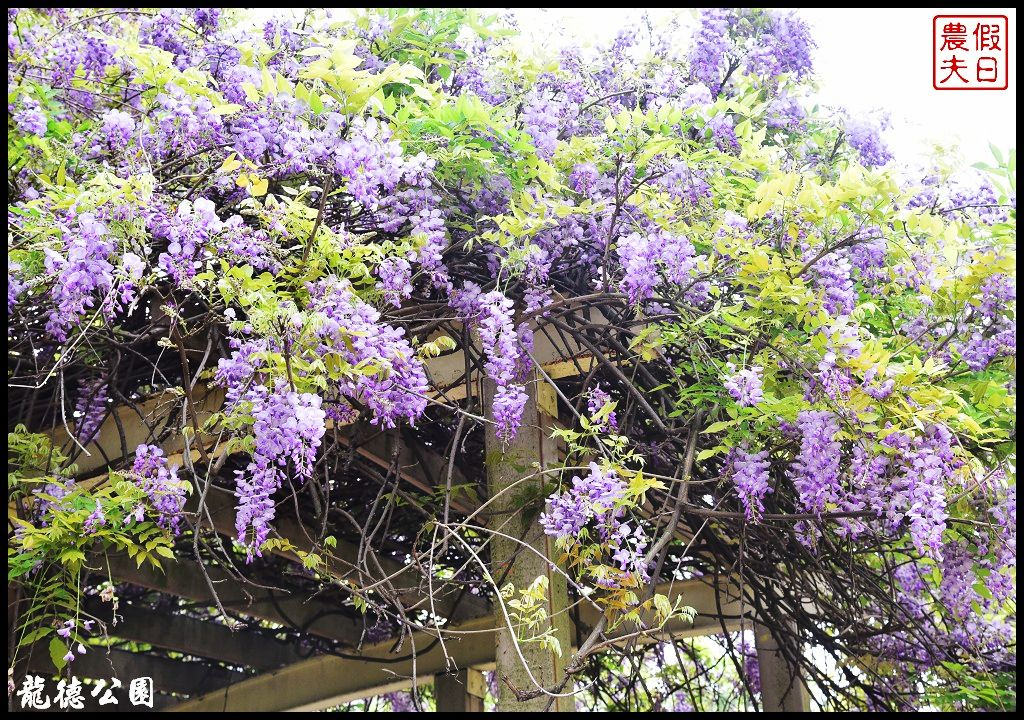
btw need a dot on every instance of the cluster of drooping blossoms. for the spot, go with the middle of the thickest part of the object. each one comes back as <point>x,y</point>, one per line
<point>81,276</point>
<point>816,472</point>
<point>183,125</point>
<point>540,118</point>
<point>751,666</point>
<point>504,347</point>
<point>597,400</point>
<point>597,501</point>
<point>118,128</point>
<point>90,410</point>
<point>96,520</point>
<point>392,186</point>
<point>975,200</point>
<point>160,482</point>
<point>401,701</point>
<point>16,285</point>
<point>995,335</point>
<point>195,233</point>
<point>902,485</point>
<point>963,612</point>
<point>745,385</point>
<point>396,186</point>
<point>76,627</point>
<point>187,233</point>
<point>150,472</point>
<point>651,259</point>
<point>736,42</point>
<point>383,375</point>
<point>90,277</point>
<point>928,463</point>
<point>865,137</point>
<point>287,430</point>
<point>287,427</point>
<point>30,118</point>
<point>352,328</point>
<point>834,378</point>
<point>750,478</point>
<point>833,275</point>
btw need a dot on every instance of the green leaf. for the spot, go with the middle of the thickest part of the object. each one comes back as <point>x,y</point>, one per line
<point>711,452</point>
<point>57,652</point>
<point>718,426</point>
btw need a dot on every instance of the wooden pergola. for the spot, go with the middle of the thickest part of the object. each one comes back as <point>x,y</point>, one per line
<point>203,660</point>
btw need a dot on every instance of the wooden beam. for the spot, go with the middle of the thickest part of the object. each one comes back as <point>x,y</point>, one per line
<point>199,638</point>
<point>326,681</point>
<point>422,468</point>
<point>343,561</point>
<point>184,578</point>
<point>132,424</point>
<point>137,425</point>
<point>220,505</point>
<point>463,691</point>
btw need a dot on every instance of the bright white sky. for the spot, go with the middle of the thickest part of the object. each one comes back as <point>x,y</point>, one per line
<point>865,60</point>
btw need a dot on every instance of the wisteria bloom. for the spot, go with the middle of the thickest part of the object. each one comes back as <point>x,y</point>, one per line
<point>750,478</point>
<point>745,385</point>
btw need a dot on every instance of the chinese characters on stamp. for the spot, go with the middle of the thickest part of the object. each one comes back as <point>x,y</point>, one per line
<point>970,52</point>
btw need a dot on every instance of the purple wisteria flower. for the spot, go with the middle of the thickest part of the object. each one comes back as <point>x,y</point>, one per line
<point>864,136</point>
<point>95,521</point>
<point>816,472</point>
<point>80,276</point>
<point>491,314</point>
<point>750,478</point>
<point>596,401</point>
<point>646,258</point>
<point>597,498</point>
<point>90,409</point>
<point>118,127</point>
<point>288,428</point>
<point>16,285</point>
<point>745,385</point>
<point>29,117</point>
<point>160,482</point>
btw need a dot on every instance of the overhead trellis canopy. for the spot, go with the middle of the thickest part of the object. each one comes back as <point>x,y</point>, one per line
<point>354,357</point>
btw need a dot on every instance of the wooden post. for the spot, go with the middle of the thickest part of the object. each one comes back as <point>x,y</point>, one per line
<point>461,692</point>
<point>782,689</point>
<point>512,563</point>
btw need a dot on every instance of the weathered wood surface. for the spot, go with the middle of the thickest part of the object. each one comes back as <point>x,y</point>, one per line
<point>326,681</point>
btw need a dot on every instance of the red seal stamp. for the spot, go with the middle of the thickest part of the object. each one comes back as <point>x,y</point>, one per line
<point>970,52</point>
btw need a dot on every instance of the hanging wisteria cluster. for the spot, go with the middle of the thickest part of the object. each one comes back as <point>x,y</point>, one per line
<point>598,500</point>
<point>160,482</point>
<point>785,355</point>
